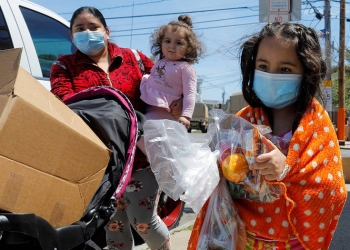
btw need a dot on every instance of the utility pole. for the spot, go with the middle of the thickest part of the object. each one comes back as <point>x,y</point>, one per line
<point>327,23</point>
<point>199,89</point>
<point>327,83</point>
<point>341,76</point>
<point>223,95</point>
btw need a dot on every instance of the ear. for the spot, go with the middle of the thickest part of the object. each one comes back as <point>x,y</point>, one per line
<point>71,35</point>
<point>108,33</point>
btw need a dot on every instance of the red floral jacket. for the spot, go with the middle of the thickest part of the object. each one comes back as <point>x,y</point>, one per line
<point>76,72</point>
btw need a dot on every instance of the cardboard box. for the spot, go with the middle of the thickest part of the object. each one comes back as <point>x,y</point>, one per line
<point>51,162</point>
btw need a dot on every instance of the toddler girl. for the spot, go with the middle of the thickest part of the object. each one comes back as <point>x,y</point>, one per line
<point>172,76</point>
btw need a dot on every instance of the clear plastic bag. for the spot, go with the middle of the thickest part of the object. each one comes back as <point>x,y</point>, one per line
<point>184,169</point>
<point>220,229</point>
<point>239,142</point>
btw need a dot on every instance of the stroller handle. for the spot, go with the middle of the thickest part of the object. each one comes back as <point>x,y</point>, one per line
<point>140,120</point>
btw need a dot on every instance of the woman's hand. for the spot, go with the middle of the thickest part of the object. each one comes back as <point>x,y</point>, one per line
<point>176,108</point>
<point>270,164</point>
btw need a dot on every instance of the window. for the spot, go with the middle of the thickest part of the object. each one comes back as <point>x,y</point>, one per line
<point>5,39</point>
<point>50,37</point>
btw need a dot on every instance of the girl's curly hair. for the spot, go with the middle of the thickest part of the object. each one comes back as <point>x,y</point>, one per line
<point>183,24</point>
<point>309,52</point>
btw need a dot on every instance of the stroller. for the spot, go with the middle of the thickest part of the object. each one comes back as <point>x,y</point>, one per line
<point>29,231</point>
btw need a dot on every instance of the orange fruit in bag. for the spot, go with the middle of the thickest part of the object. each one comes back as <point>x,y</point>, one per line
<point>235,167</point>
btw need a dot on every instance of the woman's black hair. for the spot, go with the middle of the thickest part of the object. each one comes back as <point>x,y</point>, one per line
<point>91,10</point>
<point>309,52</point>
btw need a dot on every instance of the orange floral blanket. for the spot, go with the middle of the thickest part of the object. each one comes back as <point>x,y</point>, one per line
<point>314,188</point>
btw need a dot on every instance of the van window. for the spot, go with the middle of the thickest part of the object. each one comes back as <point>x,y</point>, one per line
<point>51,38</point>
<point>5,39</point>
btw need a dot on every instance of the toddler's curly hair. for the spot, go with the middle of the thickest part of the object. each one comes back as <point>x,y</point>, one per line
<point>183,24</point>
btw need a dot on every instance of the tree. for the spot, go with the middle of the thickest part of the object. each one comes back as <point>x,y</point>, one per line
<point>335,96</point>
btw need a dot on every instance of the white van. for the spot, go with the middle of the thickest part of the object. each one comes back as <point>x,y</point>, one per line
<point>43,35</point>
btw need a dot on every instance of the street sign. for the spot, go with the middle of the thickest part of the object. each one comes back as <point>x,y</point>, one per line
<point>326,88</point>
<point>327,83</point>
<point>327,98</point>
<point>278,17</point>
<point>271,7</point>
<point>279,5</point>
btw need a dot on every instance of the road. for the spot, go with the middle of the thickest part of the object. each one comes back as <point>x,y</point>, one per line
<point>341,239</point>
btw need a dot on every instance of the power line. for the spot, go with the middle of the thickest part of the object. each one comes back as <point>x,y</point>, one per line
<point>118,7</point>
<point>200,22</point>
<point>205,28</point>
<point>317,13</point>
<point>183,12</point>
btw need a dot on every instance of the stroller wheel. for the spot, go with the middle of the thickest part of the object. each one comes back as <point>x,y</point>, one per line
<point>170,211</point>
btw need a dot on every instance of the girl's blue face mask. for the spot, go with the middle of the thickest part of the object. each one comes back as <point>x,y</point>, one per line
<point>89,42</point>
<point>276,90</point>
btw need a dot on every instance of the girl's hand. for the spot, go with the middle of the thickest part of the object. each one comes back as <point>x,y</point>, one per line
<point>185,121</point>
<point>176,108</point>
<point>270,164</point>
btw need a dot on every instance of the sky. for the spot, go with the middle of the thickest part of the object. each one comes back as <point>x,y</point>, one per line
<point>220,25</point>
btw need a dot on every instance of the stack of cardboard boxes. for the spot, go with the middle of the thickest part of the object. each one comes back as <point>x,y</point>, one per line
<point>51,162</point>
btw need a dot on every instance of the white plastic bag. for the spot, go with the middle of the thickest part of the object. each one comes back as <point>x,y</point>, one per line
<point>183,169</point>
<point>220,229</point>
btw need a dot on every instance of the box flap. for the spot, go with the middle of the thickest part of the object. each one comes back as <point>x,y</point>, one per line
<point>3,101</point>
<point>8,71</point>
<point>88,188</point>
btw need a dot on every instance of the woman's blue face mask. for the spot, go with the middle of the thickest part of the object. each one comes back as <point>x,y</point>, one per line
<point>276,90</point>
<point>89,42</point>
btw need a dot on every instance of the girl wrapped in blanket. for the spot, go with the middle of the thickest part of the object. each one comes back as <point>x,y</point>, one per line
<point>282,69</point>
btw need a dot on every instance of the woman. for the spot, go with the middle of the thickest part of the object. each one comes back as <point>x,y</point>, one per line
<point>101,62</point>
